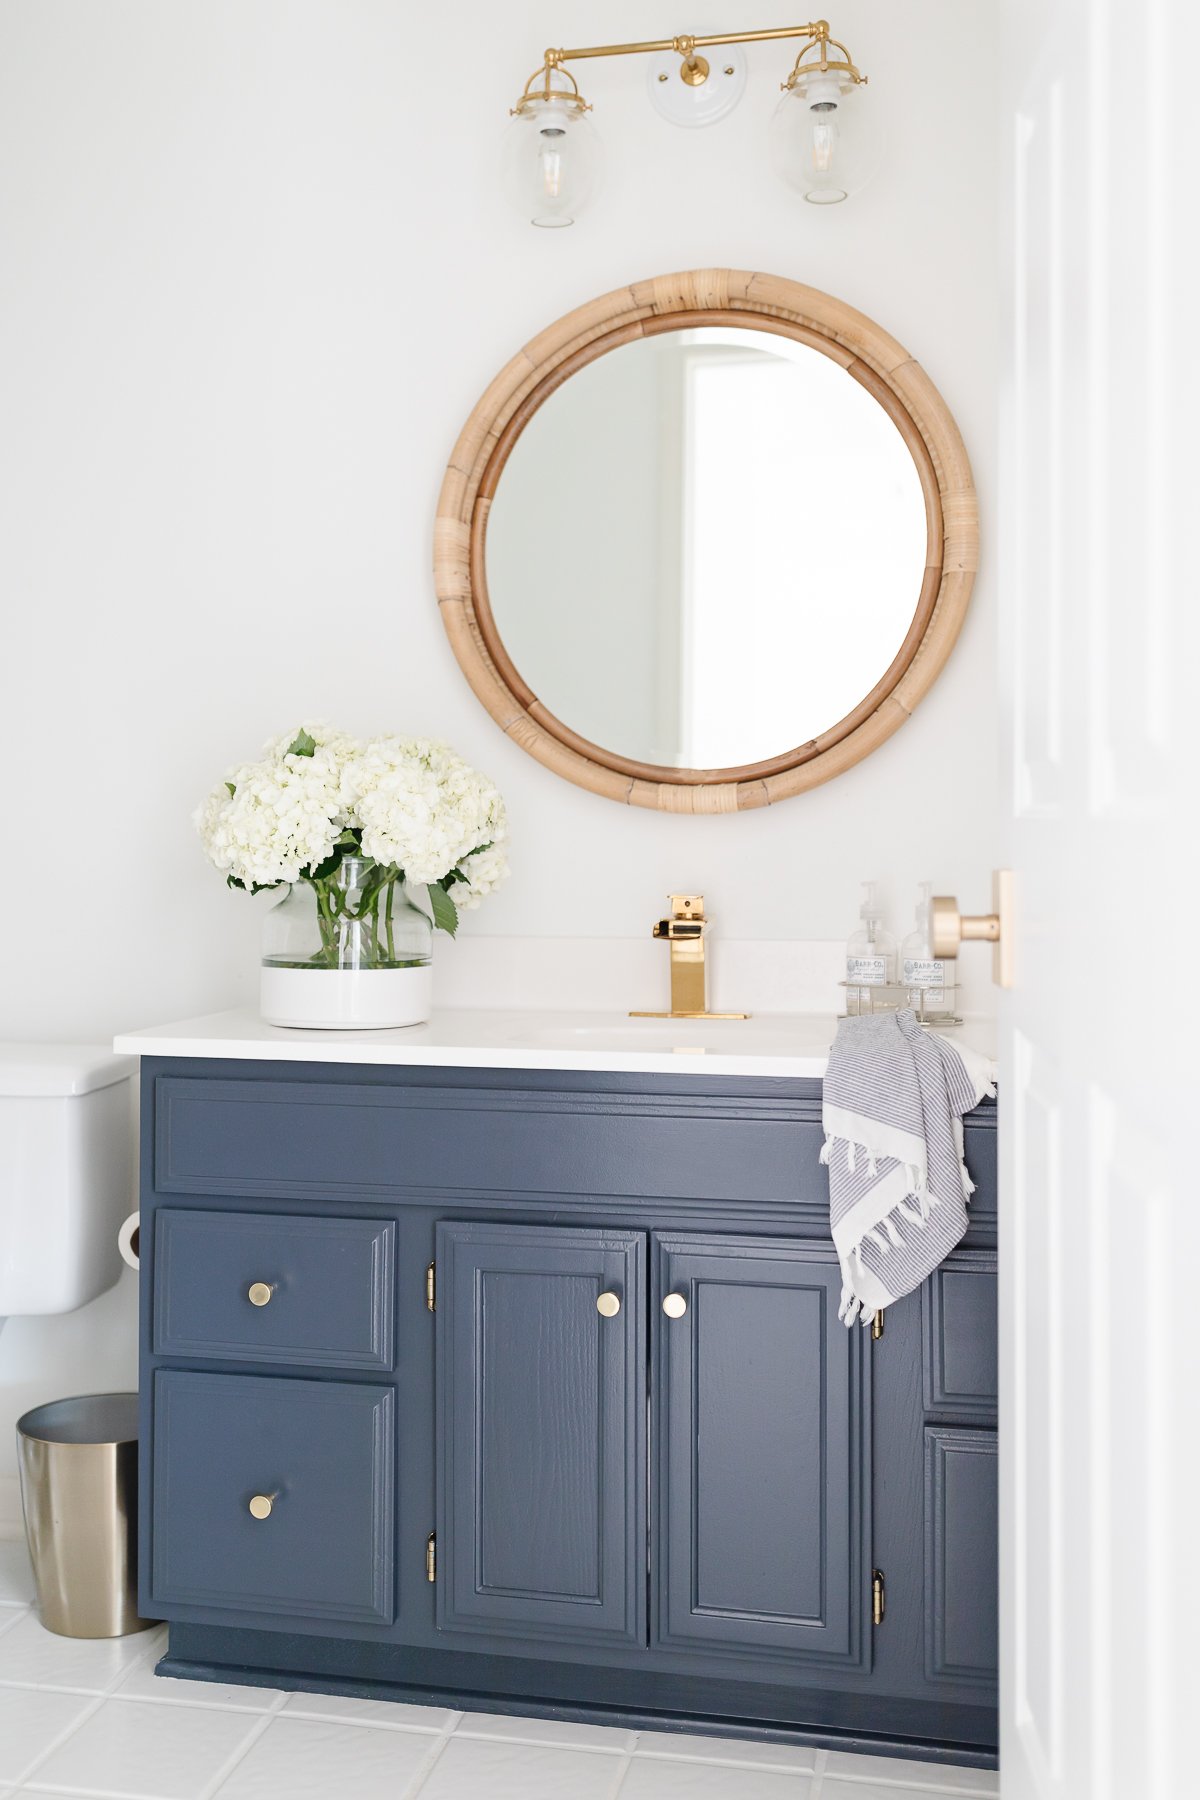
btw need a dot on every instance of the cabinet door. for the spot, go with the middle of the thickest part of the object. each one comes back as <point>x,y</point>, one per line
<point>541,1417</point>
<point>762,1494</point>
<point>961,1555</point>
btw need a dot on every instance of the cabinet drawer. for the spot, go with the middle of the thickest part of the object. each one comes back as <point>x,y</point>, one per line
<point>320,1451</point>
<point>325,1286</point>
<point>259,1138</point>
<point>958,1306</point>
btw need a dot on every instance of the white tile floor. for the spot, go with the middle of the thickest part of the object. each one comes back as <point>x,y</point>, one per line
<point>91,1718</point>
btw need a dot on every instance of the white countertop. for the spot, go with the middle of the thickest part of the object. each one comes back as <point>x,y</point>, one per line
<point>773,1044</point>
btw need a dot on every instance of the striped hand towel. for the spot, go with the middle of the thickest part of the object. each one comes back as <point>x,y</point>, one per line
<point>894,1099</point>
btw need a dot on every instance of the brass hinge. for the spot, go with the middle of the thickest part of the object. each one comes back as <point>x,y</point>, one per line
<point>877,1325</point>
<point>431,1296</point>
<point>431,1557</point>
<point>878,1597</point>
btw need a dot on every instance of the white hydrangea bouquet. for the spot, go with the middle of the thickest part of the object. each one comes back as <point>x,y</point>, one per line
<point>360,833</point>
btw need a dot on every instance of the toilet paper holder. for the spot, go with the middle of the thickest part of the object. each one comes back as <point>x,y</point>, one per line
<point>128,1240</point>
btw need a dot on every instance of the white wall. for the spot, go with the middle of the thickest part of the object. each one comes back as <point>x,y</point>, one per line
<point>255,270</point>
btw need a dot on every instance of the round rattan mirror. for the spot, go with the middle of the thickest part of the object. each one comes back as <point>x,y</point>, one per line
<point>705,543</point>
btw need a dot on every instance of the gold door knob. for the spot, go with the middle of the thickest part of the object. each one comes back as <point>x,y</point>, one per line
<point>674,1305</point>
<point>608,1305</point>
<point>260,1293</point>
<point>261,1505</point>
<point>950,929</point>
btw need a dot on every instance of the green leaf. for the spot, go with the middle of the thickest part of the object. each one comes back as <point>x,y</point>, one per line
<point>323,870</point>
<point>255,887</point>
<point>232,789</point>
<point>445,913</point>
<point>301,744</point>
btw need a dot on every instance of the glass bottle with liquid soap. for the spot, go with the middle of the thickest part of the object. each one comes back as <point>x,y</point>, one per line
<point>929,979</point>
<point>870,953</point>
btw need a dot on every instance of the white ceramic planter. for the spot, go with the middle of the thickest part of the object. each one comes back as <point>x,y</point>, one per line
<point>346,999</point>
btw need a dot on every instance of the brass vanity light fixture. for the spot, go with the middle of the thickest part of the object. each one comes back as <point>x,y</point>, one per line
<point>555,153</point>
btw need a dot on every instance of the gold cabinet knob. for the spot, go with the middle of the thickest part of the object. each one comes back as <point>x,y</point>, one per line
<point>260,1292</point>
<point>608,1305</point>
<point>674,1305</point>
<point>261,1505</point>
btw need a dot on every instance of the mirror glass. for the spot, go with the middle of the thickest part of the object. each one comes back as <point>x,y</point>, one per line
<point>706,547</point>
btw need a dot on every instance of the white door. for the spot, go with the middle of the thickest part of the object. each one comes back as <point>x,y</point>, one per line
<point>1100,1104</point>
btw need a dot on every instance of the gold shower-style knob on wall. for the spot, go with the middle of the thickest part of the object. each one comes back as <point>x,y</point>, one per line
<point>950,928</point>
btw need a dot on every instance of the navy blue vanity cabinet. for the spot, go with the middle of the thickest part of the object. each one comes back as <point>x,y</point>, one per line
<point>526,1391</point>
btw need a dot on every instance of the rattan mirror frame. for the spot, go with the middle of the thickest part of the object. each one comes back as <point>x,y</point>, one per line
<point>673,302</point>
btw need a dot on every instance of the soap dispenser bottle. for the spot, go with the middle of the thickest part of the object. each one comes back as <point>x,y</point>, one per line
<point>930,985</point>
<point>871,952</point>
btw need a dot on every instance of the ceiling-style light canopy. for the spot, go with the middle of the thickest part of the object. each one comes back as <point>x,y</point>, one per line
<point>816,141</point>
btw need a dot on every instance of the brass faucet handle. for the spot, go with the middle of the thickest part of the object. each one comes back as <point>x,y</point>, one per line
<point>688,907</point>
<point>687,918</point>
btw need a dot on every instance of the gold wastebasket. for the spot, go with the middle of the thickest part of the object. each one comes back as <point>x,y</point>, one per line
<point>78,1462</point>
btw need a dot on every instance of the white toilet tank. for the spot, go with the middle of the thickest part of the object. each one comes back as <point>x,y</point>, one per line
<point>66,1173</point>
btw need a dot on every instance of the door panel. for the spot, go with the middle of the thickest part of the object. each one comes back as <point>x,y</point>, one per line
<point>958,1308</point>
<point>762,1493</point>
<point>1101,1657</point>
<point>961,1575</point>
<point>541,1409</point>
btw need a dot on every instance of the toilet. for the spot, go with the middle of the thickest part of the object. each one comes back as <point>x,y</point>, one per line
<point>66,1173</point>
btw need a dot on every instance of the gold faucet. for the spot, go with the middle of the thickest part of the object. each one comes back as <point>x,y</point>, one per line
<point>684,932</point>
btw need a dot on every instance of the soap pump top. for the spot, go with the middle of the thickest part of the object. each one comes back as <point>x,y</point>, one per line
<point>871,952</point>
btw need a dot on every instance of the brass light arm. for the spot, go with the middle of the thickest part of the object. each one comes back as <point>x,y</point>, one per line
<point>817,29</point>
<point>695,68</point>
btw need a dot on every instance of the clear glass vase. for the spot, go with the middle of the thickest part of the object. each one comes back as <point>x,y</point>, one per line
<point>353,950</point>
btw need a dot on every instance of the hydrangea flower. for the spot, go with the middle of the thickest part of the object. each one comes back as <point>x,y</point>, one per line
<point>412,805</point>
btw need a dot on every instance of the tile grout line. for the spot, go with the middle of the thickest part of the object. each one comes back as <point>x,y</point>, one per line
<point>821,1763</point>
<point>89,1712</point>
<point>229,1766</point>
<point>56,1743</point>
<point>433,1757</point>
<point>623,1771</point>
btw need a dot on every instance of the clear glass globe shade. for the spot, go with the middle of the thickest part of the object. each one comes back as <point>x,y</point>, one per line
<point>552,162</point>
<point>823,140</point>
